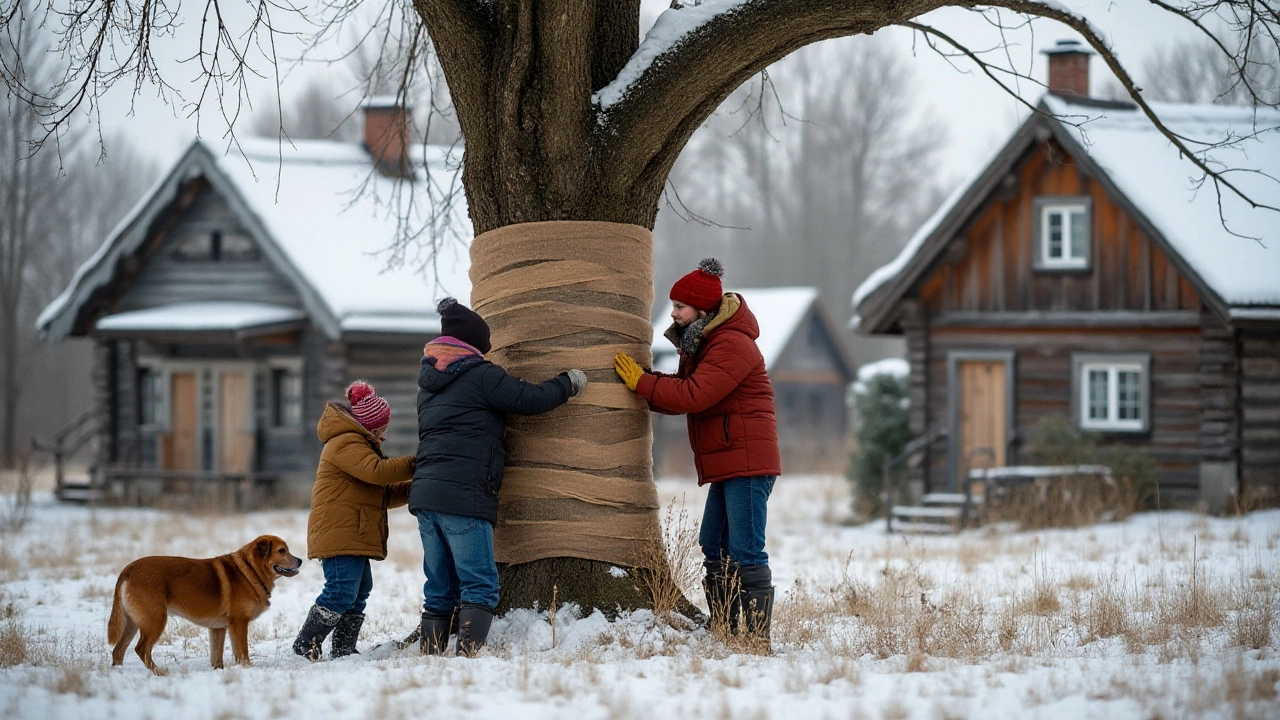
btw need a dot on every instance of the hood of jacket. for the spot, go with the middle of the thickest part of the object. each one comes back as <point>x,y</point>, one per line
<point>336,420</point>
<point>443,360</point>
<point>732,315</point>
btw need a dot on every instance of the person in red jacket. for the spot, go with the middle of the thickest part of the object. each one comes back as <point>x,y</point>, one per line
<point>723,388</point>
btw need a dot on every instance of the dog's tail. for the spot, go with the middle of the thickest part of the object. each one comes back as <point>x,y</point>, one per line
<point>115,625</point>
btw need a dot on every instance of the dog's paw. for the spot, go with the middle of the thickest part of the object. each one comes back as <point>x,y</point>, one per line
<point>159,671</point>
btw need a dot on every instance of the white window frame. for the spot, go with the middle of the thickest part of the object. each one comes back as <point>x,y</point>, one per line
<point>1068,261</point>
<point>1112,366</point>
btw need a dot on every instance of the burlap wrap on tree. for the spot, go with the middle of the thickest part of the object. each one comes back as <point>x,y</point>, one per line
<point>560,295</point>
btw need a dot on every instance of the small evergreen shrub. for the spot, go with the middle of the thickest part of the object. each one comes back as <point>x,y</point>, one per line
<point>880,404</point>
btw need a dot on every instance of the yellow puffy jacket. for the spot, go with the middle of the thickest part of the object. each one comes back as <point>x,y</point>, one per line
<point>355,485</point>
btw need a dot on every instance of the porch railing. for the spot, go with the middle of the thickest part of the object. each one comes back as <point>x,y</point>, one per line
<point>913,447</point>
<point>65,443</point>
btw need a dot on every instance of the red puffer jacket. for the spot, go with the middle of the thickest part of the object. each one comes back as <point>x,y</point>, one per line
<point>727,395</point>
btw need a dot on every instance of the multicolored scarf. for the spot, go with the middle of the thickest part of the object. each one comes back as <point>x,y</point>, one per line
<point>446,350</point>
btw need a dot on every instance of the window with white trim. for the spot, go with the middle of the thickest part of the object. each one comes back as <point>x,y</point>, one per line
<point>1064,235</point>
<point>1113,393</point>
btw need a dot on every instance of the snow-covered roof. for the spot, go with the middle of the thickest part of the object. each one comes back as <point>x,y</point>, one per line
<point>324,216</point>
<point>1162,186</point>
<point>200,316</point>
<point>778,310</point>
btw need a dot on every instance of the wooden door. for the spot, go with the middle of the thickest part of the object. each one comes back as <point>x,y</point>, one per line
<point>983,410</point>
<point>181,446</point>
<point>235,430</point>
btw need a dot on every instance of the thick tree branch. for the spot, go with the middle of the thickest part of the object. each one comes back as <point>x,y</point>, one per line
<point>643,131</point>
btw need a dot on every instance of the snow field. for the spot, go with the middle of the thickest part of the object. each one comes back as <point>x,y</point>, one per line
<point>1165,615</point>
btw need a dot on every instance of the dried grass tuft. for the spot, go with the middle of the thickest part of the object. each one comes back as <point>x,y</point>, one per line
<point>13,643</point>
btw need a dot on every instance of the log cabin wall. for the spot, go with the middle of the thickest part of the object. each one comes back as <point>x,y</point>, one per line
<point>1043,386</point>
<point>1259,415</point>
<point>208,254</point>
<point>392,367</point>
<point>989,268</point>
<point>985,293</point>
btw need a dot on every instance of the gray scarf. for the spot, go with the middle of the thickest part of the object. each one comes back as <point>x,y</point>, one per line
<point>689,337</point>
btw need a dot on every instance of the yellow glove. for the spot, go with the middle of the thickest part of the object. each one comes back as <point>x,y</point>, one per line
<point>629,370</point>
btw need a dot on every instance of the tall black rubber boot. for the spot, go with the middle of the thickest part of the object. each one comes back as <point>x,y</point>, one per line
<point>473,628</point>
<point>757,602</point>
<point>345,634</point>
<point>319,623</point>
<point>434,632</point>
<point>720,585</point>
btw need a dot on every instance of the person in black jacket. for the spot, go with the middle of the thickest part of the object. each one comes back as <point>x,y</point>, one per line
<point>463,402</point>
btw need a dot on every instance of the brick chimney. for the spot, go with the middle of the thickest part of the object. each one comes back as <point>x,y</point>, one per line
<point>386,135</point>
<point>1069,68</point>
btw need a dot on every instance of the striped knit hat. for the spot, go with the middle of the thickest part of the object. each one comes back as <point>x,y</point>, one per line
<point>369,409</point>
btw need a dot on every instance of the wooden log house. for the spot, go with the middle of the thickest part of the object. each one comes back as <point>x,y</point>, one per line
<point>227,309</point>
<point>1085,272</point>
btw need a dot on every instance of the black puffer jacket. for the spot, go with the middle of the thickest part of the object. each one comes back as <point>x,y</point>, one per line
<point>462,412</point>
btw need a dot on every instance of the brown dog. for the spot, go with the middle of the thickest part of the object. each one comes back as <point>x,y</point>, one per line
<point>219,593</point>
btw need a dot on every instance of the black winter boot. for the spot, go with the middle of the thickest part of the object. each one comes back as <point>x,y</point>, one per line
<point>320,621</point>
<point>757,601</point>
<point>434,633</point>
<point>721,589</point>
<point>473,628</point>
<point>345,634</point>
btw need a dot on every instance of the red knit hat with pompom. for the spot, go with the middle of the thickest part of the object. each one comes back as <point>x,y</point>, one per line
<point>367,406</point>
<point>701,288</point>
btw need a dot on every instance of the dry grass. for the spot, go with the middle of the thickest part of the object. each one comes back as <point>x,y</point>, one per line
<point>13,643</point>
<point>1068,502</point>
<point>678,563</point>
<point>15,496</point>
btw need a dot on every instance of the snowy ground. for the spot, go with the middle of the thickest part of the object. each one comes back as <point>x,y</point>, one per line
<point>1166,615</point>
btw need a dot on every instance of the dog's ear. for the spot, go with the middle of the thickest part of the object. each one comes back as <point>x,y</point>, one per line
<point>262,548</point>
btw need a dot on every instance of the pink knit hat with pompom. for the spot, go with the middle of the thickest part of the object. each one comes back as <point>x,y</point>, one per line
<point>367,406</point>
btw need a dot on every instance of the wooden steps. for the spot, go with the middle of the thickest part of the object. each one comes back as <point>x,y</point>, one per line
<point>79,492</point>
<point>938,513</point>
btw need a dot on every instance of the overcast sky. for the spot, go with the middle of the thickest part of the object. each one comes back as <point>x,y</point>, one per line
<point>979,116</point>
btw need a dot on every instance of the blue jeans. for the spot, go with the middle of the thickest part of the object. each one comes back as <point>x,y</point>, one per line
<point>733,520</point>
<point>457,558</point>
<point>347,583</point>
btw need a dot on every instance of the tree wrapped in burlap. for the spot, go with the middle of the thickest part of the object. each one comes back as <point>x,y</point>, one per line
<point>578,498</point>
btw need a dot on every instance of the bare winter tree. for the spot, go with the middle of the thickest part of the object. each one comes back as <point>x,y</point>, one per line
<point>315,113</point>
<point>1197,71</point>
<point>57,203</point>
<point>29,218</point>
<point>567,116</point>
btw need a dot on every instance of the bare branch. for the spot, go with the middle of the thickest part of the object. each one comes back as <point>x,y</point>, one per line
<point>1095,40</point>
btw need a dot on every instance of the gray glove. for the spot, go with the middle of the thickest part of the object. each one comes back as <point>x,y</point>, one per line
<point>579,381</point>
